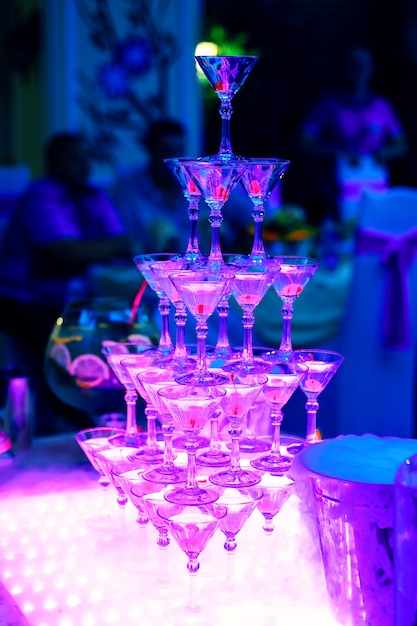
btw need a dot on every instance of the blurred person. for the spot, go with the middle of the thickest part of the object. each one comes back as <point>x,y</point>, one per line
<point>354,134</point>
<point>60,227</point>
<point>151,203</point>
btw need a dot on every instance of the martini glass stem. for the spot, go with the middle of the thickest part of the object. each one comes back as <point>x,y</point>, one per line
<point>312,407</point>
<point>287,312</point>
<point>168,459</point>
<point>193,249</point>
<point>258,214</point>
<point>235,432</point>
<point>223,343</point>
<point>201,332</point>
<point>276,421</point>
<point>215,219</point>
<point>191,447</point>
<point>225,111</point>
<point>248,320</point>
<point>151,441</point>
<point>193,567</point>
<point>131,426</point>
<point>165,342</point>
<point>180,318</point>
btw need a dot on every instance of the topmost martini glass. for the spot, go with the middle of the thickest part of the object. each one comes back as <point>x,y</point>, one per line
<point>226,74</point>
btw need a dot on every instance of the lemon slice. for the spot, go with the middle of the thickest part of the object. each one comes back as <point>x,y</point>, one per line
<point>61,355</point>
<point>141,339</point>
<point>89,370</point>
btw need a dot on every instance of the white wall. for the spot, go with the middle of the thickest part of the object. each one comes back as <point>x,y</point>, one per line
<point>69,51</point>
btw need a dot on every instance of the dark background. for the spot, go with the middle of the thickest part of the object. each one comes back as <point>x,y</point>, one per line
<point>300,44</point>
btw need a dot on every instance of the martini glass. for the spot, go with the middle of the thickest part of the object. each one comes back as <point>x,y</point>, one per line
<point>150,497</point>
<point>179,360</point>
<point>201,290</point>
<point>191,407</point>
<point>126,474</point>
<point>109,457</point>
<point>259,179</point>
<point>114,353</point>
<point>321,367</point>
<point>181,170</point>
<point>240,504</point>
<point>226,74</point>
<point>252,280</point>
<point>241,392</point>
<point>216,179</point>
<point>143,262</point>
<point>92,439</point>
<point>192,527</point>
<point>282,382</point>
<point>293,275</point>
<point>133,365</point>
<point>275,492</point>
<point>152,380</point>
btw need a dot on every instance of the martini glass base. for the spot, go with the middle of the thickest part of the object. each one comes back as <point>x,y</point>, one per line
<point>147,455</point>
<point>200,615</point>
<point>202,380</point>
<point>176,364</point>
<point>279,356</point>
<point>213,459</point>
<point>165,476</point>
<point>191,497</point>
<point>179,442</point>
<point>253,444</point>
<point>134,440</point>
<point>248,367</point>
<point>223,157</point>
<point>274,464</point>
<point>244,478</point>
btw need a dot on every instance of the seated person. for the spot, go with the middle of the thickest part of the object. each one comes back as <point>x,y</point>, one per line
<point>59,227</point>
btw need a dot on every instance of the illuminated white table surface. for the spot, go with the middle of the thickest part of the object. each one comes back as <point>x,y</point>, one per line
<point>70,557</point>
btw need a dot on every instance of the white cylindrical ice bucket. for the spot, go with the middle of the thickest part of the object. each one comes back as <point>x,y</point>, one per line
<point>348,487</point>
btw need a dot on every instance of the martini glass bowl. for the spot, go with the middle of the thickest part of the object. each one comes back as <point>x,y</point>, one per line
<point>181,170</point>
<point>201,290</point>
<point>126,474</point>
<point>293,275</point>
<point>192,527</point>
<point>241,392</point>
<point>107,459</point>
<point>159,583</point>
<point>321,367</point>
<point>282,382</point>
<point>191,407</point>
<point>143,263</point>
<point>91,439</point>
<point>226,75</point>
<point>259,179</point>
<point>276,490</point>
<point>240,504</point>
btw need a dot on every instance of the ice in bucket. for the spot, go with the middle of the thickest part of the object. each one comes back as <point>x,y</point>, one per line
<point>349,483</point>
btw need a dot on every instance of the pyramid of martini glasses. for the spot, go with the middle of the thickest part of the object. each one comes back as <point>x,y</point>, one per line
<point>187,480</point>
